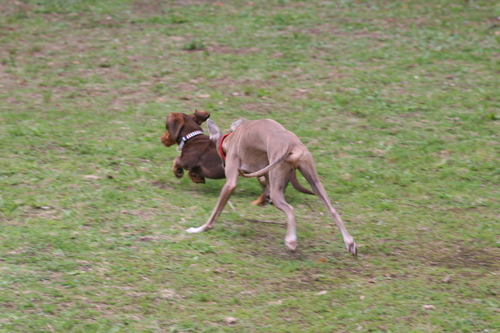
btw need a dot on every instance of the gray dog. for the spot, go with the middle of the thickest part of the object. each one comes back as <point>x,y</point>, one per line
<point>256,148</point>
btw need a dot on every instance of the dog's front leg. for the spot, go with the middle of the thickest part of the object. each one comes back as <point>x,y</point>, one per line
<point>177,168</point>
<point>225,193</point>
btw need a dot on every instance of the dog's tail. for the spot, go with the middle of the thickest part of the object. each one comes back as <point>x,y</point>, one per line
<point>296,185</point>
<point>268,168</point>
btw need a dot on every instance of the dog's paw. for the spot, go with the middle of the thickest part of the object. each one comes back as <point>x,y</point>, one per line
<point>178,172</point>
<point>351,247</point>
<point>195,230</point>
<point>197,178</point>
<point>291,244</point>
<point>262,200</point>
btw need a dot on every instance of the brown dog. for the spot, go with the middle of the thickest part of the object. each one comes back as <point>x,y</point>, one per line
<point>198,153</point>
<point>263,147</point>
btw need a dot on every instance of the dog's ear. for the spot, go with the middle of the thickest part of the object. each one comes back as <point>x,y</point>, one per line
<point>235,125</point>
<point>214,131</point>
<point>200,116</point>
<point>174,124</point>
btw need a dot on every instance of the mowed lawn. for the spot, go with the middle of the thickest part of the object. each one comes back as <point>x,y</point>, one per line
<point>398,102</point>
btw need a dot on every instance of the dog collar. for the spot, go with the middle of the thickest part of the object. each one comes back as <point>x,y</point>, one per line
<point>185,138</point>
<point>221,151</point>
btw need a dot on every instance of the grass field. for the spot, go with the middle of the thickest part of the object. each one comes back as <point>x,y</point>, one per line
<point>398,101</point>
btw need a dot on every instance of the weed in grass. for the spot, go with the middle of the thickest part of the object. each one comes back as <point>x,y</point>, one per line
<point>47,95</point>
<point>194,45</point>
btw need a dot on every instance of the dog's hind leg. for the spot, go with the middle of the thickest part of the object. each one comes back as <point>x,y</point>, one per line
<point>278,178</point>
<point>195,177</point>
<point>296,185</point>
<point>308,170</point>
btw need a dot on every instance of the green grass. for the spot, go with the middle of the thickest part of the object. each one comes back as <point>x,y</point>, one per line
<point>397,101</point>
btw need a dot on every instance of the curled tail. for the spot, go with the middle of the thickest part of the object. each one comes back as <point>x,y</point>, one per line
<point>268,168</point>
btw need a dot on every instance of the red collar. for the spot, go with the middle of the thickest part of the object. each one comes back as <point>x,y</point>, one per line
<point>221,151</point>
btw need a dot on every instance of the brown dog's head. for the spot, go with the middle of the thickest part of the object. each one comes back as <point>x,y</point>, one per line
<point>178,123</point>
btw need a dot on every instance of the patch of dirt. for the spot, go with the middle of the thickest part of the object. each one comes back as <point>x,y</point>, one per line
<point>10,8</point>
<point>152,7</point>
<point>186,87</point>
<point>190,2</point>
<point>152,238</point>
<point>468,258</point>
<point>224,49</point>
<point>237,87</point>
<point>143,214</point>
<point>162,185</point>
<point>41,212</point>
<point>132,95</point>
<point>259,108</point>
<point>331,29</point>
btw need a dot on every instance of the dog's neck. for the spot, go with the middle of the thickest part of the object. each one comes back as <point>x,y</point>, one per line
<point>221,151</point>
<point>185,138</point>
